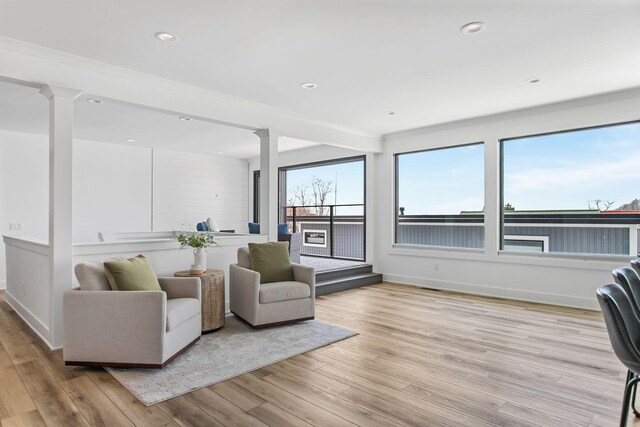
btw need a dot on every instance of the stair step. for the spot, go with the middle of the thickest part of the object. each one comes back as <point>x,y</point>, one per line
<point>343,272</point>
<point>343,283</point>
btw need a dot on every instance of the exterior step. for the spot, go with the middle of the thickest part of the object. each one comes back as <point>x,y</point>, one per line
<point>338,284</point>
<point>322,276</point>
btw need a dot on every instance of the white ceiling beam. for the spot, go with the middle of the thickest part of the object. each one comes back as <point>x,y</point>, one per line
<point>37,65</point>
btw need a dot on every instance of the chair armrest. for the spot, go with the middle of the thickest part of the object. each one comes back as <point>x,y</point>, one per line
<point>305,274</point>
<point>244,280</point>
<point>181,287</point>
<point>244,290</point>
<point>103,325</point>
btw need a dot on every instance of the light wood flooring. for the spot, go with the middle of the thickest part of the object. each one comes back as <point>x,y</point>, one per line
<point>422,358</point>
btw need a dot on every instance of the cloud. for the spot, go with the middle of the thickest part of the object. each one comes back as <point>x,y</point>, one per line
<point>555,178</point>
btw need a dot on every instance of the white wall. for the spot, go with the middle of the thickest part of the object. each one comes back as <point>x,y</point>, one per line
<point>111,189</point>
<point>553,279</point>
<point>114,191</point>
<point>24,188</point>
<point>193,187</point>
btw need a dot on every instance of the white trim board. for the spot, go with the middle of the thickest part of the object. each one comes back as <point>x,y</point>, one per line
<point>30,319</point>
<point>489,291</point>
<point>3,284</point>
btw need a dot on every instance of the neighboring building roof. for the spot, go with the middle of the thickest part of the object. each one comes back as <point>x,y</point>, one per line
<point>549,212</point>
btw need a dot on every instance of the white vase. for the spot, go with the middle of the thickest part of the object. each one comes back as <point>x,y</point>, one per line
<point>200,257</point>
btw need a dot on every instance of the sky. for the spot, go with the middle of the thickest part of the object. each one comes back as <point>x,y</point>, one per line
<point>347,184</point>
<point>550,172</point>
<point>441,182</point>
<point>565,171</point>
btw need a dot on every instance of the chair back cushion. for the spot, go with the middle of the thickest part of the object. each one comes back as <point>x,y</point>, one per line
<point>243,258</point>
<point>132,274</point>
<point>91,277</point>
<point>623,326</point>
<point>271,260</point>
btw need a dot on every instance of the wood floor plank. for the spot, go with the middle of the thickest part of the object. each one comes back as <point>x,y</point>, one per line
<point>25,419</point>
<point>54,361</point>
<point>222,410</point>
<point>55,407</point>
<point>136,411</point>
<point>96,407</point>
<point>290,402</point>
<point>359,415</point>
<point>14,397</point>
<point>239,396</point>
<point>273,416</point>
<point>186,413</point>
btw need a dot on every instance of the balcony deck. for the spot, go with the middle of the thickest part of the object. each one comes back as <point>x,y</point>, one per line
<point>328,264</point>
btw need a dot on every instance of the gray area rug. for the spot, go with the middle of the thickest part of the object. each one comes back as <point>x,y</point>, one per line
<point>234,350</point>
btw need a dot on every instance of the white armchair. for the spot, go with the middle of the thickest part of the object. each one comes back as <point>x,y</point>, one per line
<point>270,304</point>
<point>132,329</point>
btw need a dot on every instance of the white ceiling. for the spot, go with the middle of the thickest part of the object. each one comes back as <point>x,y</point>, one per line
<point>23,109</point>
<point>367,56</point>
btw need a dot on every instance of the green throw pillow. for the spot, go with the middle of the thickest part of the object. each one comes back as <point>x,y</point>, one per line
<point>132,274</point>
<point>271,260</point>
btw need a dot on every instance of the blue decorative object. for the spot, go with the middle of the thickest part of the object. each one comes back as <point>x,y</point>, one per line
<point>254,228</point>
<point>283,229</point>
<point>202,226</point>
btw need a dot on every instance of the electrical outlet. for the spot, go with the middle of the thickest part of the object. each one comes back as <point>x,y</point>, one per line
<point>14,226</point>
<point>436,267</point>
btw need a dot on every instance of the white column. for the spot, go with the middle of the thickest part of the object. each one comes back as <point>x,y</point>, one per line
<point>492,195</point>
<point>268,182</point>
<point>60,235</point>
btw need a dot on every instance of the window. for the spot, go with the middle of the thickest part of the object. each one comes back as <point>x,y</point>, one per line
<point>573,192</point>
<point>440,197</point>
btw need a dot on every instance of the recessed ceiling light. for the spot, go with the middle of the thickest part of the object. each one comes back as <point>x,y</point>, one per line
<point>130,140</point>
<point>473,27</point>
<point>391,113</point>
<point>218,152</point>
<point>309,85</point>
<point>534,80</point>
<point>183,118</point>
<point>95,101</point>
<point>166,37</point>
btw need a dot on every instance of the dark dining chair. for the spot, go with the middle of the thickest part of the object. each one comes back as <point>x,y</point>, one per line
<point>635,263</point>
<point>630,282</point>
<point>623,327</point>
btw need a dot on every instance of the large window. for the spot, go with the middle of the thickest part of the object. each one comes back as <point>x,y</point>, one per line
<point>573,192</point>
<point>440,197</point>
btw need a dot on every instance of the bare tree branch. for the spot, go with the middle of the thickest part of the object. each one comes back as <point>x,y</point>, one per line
<point>321,189</point>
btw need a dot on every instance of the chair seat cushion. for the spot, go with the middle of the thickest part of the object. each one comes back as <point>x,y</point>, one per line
<point>179,310</point>
<point>283,291</point>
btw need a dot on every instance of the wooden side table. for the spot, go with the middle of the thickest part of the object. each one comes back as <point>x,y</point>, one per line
<point>212,282</point>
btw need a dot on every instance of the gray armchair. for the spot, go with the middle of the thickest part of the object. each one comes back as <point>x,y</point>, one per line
<point>270,304</point>
<point>129,329</point>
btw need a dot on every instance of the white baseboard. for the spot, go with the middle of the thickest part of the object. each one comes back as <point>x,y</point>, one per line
<point>490,291</point>
<point>36,325</point>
